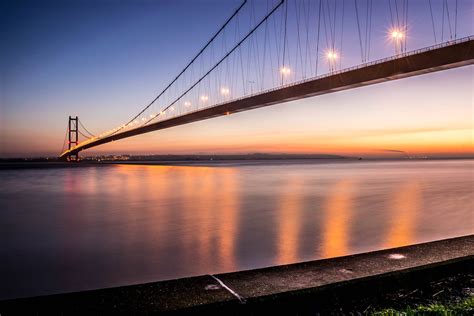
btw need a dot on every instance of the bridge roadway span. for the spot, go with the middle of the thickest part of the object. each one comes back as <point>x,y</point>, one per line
<point>436,58</point>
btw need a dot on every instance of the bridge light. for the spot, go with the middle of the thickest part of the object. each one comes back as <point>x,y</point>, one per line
<point>396,34</point>
<point>187,103</point>
<point>331,55</point>
<point>136,122</point>
<point>225,91</point>
<point>204,98</point>
<point>285,71</point>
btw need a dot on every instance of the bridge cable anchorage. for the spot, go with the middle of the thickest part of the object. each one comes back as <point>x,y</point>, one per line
<point>185,68</point>
<point>223,58</point>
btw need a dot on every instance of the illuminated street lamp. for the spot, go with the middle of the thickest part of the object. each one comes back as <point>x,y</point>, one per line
<point>204,98</point>
<point>225,91</point>
<point>397,36</point>
<point>285,72</point>
<point>332,56</point>
<point>187,103</point>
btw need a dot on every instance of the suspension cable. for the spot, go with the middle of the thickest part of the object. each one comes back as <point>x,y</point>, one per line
<point>222,59</point>
<point>432,21</point>
<point>80,123</point>
<point>65,137</point>
<point>358,28</point>
<point>79,131</point>
<point>185,68</point>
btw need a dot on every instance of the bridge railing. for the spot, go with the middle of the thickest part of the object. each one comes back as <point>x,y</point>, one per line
<point>332,73</point>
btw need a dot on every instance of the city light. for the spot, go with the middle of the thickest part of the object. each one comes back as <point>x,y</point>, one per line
<point>225,91</point>
<point>204,98</point>
<point>285,71</point>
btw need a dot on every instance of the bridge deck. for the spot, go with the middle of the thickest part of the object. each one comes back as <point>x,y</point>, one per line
<point>436,58</point>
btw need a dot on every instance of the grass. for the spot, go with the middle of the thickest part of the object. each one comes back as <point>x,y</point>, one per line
<point>465,307</point>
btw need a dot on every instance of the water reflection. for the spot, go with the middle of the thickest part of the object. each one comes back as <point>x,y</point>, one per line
<point>83,228</point>
<point>406,204</point>
<point>227,219</point>
<point>289,217</point>
<point>338,214</point>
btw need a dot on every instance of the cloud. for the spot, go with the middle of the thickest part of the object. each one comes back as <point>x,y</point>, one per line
<point>394,151</point>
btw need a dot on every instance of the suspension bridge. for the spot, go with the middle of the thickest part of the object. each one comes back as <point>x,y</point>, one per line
<point>287,50</point>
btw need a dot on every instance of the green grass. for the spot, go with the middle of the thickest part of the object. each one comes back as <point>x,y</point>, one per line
<point>465,307</point>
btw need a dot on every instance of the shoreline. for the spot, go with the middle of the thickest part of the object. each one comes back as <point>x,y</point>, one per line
<point>12,165</point>
<point>312,286</point>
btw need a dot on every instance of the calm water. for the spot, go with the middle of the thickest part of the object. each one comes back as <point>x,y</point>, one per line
<point>83,228</point>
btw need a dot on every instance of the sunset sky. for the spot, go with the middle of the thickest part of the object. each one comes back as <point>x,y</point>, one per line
<point>103,60</point>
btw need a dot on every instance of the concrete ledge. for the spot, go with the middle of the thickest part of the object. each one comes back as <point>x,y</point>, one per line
<point>282,288</point>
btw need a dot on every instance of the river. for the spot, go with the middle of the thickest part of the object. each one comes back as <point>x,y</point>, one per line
<point>70,229</point>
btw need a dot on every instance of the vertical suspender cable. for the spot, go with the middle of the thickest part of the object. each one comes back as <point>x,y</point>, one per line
<point>317,41</point>
<point>358,28</point>
<point>224,57</point>
<point>456,21</point>
<point>432,21</point>
<point>284,39</point>
<point>449,21</point>
<point>187,66</point>
<point>442,24</point>
<point>342,35</point>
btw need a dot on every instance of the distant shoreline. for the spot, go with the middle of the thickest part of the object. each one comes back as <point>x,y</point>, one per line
<point>214,162</point>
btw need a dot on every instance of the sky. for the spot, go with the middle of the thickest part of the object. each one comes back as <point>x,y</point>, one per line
<point>104,60</point>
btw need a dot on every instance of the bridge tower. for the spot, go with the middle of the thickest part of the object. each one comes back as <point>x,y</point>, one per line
<point>73,136</point>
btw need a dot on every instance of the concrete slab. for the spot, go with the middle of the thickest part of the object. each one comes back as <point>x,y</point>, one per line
<point>262,290</point>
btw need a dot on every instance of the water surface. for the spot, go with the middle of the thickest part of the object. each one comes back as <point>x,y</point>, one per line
<point>82,228</point>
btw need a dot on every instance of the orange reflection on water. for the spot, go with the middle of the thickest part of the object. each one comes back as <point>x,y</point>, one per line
<point>289,222</point>
<point>227,211</point>
<point>406,204</point>
<point>336,224</point>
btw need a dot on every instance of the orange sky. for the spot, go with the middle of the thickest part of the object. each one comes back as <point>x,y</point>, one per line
<point>426,115</point>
